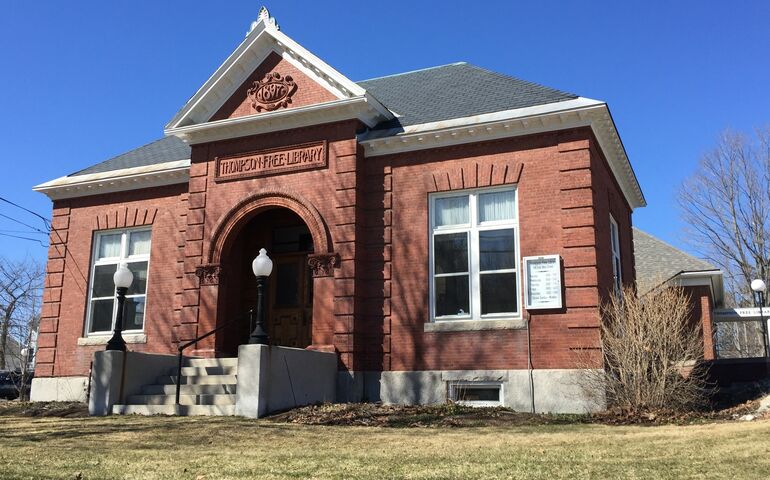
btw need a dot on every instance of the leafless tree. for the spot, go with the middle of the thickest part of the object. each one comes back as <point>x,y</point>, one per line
<point>726,206</point>
<point>652,352</point>
<point>20,289</point>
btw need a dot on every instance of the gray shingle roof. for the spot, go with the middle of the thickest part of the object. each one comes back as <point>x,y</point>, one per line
<point>439,93</point>
<point>167,149</point>
<point>454,91</point>
<point>657,261</point>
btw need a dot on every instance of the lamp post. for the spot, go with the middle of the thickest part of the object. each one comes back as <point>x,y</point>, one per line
<point>262,266</point>
<point>759,287</point>
<point>122,279</point>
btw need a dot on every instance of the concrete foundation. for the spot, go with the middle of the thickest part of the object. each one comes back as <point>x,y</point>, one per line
<point>271,379</point>
<point>59,389</point>
<point>116,375</point>
<point>555,391</point>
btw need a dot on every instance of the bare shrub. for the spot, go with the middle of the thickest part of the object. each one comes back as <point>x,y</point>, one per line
<point>652,351</point>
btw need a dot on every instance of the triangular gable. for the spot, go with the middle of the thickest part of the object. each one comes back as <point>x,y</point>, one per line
<point>265,50</point>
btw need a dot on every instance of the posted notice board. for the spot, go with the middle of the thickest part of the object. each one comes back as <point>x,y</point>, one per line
<point>543,282</point>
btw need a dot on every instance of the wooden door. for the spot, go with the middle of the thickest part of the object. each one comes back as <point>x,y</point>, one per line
<point>291,301</point>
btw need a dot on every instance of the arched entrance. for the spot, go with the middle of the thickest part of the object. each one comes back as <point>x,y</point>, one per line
<point>289,317</point>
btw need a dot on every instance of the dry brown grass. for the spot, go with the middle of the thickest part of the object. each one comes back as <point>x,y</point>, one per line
<point>219,448</point>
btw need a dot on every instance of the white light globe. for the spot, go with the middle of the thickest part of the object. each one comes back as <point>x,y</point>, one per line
<point>758,285</point>
<point>262,266</point>
<point>123,276</point>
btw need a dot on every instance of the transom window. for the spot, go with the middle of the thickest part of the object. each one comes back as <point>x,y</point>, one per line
<point>111,248</point>
<point>474,258</point>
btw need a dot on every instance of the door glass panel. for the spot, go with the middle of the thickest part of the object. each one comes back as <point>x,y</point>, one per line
<point>287,286</point>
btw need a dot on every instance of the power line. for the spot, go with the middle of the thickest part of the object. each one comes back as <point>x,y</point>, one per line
<point>21,231</point>
<point>25,238</point>
<point>45,220</point>
<point>22,223</point>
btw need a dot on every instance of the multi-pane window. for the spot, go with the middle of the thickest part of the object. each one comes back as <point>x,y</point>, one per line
<point>474,259</point>
<point>617,274</point>
<point>112,248</point>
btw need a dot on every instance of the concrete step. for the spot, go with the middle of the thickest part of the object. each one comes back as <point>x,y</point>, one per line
<point>197,380</point>
<point>173,409</point>
<point>191,371</point>
<point>197,389</point>
<point>203,399</point>
<point>210,362</point>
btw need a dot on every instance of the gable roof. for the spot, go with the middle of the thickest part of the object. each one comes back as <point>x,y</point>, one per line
<point>440,93</point>
<point>454,91</point>
<point>657,261</point>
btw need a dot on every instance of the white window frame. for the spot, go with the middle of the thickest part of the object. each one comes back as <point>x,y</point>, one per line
<point>617,260</point>
<point>123,258</point>
<point>474,275</point>
<point>455,386</point>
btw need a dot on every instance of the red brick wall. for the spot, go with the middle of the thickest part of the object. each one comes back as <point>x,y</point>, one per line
<point>308,91</point>
<point>373,213</point>
<point>68,270</point>
<point>702,314</point>
<point>564,194</point>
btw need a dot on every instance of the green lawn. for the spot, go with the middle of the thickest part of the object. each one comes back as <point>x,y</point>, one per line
<point>216,448</point>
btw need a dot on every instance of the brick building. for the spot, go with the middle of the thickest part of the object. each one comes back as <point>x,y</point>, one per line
<point>400,213</point>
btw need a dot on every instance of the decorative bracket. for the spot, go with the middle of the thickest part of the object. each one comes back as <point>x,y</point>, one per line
<point>323,265</point>
<point>209,274</point>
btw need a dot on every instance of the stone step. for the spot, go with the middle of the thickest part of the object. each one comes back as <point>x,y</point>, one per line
<point>197,380</point>
<point>173,409</point>
<point>196,389</point>
<point>192,371</point>
<point>203,399</point>
<point>210,362</point>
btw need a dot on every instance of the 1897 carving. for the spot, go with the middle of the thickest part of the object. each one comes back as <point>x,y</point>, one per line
<point>272,92</point>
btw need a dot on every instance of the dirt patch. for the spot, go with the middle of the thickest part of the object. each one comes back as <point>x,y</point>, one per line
<point>453,415</point>
<point>43,409</point>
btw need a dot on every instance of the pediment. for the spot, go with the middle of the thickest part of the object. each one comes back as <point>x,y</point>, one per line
<point>269,75</point>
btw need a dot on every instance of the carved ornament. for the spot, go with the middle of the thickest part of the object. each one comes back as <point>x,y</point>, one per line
<point>209,274</point>
<point>272,92</point>
<point>323,265</point>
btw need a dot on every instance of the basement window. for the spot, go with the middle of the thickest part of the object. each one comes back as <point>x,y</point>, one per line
<point>476,394</point>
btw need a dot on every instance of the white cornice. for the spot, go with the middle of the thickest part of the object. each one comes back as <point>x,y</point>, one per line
<point>149,176</point>
<point>579,112</point>
<point>336,110</point>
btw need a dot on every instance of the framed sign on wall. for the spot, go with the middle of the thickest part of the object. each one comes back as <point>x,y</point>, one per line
<point>543,282</point>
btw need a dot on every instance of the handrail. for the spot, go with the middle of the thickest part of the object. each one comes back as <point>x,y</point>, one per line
<point>195,341</point>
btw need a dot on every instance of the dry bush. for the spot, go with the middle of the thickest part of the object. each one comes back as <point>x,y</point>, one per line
<point>652,352</point>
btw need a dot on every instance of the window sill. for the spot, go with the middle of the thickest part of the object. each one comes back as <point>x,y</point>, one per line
<point>103,339</point>
<point>475,325</point>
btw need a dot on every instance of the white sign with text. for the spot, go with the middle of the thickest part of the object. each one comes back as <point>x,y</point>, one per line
<point>543,282</point>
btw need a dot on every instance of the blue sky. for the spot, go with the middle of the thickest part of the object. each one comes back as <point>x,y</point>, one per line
<point>84,81</point>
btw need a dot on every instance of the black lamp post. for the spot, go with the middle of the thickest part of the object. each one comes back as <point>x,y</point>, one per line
<point>759,287</point>
<point>262,266</point>
<point>122,278</point>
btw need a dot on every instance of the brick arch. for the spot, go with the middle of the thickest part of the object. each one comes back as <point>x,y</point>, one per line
<point>254,204</point>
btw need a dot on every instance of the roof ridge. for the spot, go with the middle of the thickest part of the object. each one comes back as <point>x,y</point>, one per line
<point>412,71</point>
<point>638,230</point>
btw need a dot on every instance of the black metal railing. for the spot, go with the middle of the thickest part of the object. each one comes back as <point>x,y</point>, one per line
<point>181,348</point>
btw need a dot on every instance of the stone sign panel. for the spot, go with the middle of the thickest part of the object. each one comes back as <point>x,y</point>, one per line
<point>273,161</point>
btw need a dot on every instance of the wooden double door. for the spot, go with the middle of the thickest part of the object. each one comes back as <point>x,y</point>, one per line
<point>290,295</point>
